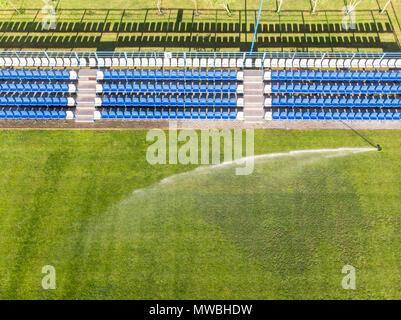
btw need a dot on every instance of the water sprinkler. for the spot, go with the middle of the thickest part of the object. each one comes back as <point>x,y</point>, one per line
<point>379,148</point>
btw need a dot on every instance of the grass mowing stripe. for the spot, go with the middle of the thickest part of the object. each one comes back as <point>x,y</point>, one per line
<point>186,253</point>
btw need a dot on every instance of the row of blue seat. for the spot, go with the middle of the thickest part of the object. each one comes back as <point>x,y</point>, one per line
<point>336,89</point>
<point>34,74</point>
<point>284,115</point>
<point>187,75</point>
<point>168,115</point>
<point>336,102</point>
<point>172,88</point>
<point>33,101</point>
<point>32,114</point>
<point>169,101</point>
<point>34,87</point>
<point>336,75</point>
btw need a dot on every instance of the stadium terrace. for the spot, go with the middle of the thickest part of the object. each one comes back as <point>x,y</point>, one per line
<point>257,87</point>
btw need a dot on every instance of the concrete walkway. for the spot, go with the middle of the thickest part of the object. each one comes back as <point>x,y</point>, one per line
<point>202,124</point>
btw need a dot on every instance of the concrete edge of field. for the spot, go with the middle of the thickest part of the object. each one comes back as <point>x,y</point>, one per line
<point>202,124</point>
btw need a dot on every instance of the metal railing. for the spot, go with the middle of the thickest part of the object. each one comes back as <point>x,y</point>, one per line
<point>161,54</point>
<point>200,55</point>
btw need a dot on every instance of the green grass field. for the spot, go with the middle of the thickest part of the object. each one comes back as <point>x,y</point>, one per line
<point>136,25</point>
<point>67,199</point>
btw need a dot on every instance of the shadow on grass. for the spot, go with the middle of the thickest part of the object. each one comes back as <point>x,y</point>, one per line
<point>194,42</point>
<point>177,30</point>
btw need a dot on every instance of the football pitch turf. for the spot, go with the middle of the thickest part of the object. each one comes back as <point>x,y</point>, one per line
<point>136,25</point>
<point>89,204</point>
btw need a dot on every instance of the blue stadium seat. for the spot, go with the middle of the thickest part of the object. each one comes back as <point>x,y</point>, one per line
<point>366,116</point>
<point>32,115</point>
<point>351,116</point>
<point>129,75</point>
<point>16,114</point>
<point>328,116</point>
<point>62,114</point>
<point>54,113</point>
<point>121,75</point>
<point>9,114</point>
<point>188,75</point>
<point>112,114</point>
<point>107,76</point>
<point>144,75</point>
<point>389,116</point>
<point>195,102</point>
<point>157,115</point>
<point>195,75</point>
<point>46,114</point>
<point>165,115</point>
<point>336,116</point>
<point>24,114</point>
<point>343,116</point>
<point>274,75</point>
<point>135,114</point>
<point>142,114</point>
<point>39,114</point>
<point>306,115</point>
<point>174,75</point>
<point>373,116</point>
<point>119,114</point>
<point>381,116</point>
<point>172,115</point>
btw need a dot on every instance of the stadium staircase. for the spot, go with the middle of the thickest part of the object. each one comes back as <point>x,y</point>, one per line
<point>86,95</point>
<point>253,96</point>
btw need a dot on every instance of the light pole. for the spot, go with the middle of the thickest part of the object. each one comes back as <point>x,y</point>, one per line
<point>256,26</point>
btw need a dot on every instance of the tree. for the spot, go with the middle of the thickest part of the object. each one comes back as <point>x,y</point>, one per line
<point>223,3</point>
<point>12,5</point>
<point>385,6</point>
<point>279,6</point>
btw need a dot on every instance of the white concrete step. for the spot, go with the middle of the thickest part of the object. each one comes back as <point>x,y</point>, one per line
<point>86,95</point>
<point>250,72</point>
<point>87,73</point>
